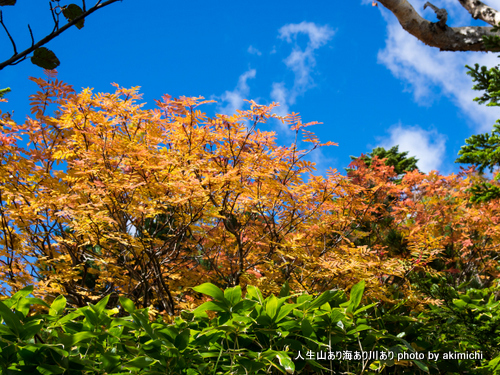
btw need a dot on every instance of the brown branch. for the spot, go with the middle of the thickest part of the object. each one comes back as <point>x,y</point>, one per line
<point>479,10</point>
<point>48,38</point>
<point>468,38</point>
<point>8,34</point>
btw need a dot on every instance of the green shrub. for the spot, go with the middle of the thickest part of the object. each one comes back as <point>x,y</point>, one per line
<point>243,335</point>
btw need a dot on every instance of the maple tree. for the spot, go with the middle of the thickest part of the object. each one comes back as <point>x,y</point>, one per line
<point>149,199</point>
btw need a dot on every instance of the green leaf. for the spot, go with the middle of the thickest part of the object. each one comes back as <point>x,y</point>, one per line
<point>285,290</point>
<point>459,303</point>
<point>361,327</point>
<point>271,306</point>
<point>4,91</point>
<point>70,340</point>
<point>7,2</point>
<point>28,353</point>
<point>182,340</point>
<point>307,328</point>
<point>69,317</point>
<point>244,305</point>
<point>46,369</point>
<point>57,307</point>
<point>30,329</point>
<point>336,315</point>
<point>140,362</point>
<point>421,365</point>
<point>71,12</point>
<point>284,311</point>
<point>322,299</point>
<point>101,305</point>
<point>91,316</point>
<point>210,306</point>
<point>286,362</point>
<point>37,301</point>
<point>23,306</point>
<point>144,322</point>
<point>127,304</point>
<point>233,295</point>
<point>45,58</point>
<point>124,322</point>
<point>355,296</point>
<point>255,294</point>
<point>110,362</point>
<point>211,290</point>
<point>365,308</point>
<point>304,298</point>
<point>26,291</point>
<point>10,319</point>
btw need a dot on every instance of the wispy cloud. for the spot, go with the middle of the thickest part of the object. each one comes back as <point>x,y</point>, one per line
<point>279,94</point>
<point>430,73</point>
<point>254,51</point>
<point>302,60</point>
<point>236,99</point>
<point>428,146</point>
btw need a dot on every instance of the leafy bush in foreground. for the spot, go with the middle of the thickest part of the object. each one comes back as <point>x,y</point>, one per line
<point>233,334</point>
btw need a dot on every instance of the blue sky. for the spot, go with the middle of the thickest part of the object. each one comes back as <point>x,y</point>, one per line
<point>346,64</point>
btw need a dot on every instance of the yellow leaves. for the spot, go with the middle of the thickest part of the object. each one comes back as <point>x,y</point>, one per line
<point>172,193</point>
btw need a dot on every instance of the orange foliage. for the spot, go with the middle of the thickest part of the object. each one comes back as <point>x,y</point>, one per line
<point>111,198</point>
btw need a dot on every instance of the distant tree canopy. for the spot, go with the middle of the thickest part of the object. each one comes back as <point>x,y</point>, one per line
<point>399,160</point>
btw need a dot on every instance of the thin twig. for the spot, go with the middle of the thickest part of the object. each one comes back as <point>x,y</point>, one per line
<point>48,38</point>
<point>8,34</point>
<point>56,22</point>
<point>31,34</point>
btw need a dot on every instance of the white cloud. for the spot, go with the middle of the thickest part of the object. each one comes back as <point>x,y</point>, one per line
<point>279,94</point>
<point>236,99</point>
<point>302,61</point>
<point>430,72</point>
<point>428,146</point>
<point>254,51</point>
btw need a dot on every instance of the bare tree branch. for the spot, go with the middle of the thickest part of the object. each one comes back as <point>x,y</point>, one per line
<point>441,14</point>
<point>479,10</point>
<point>468,38</point>
<point>22,55</point>
<point>7,31</point>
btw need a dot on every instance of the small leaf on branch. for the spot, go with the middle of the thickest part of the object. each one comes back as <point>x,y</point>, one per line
<point>45,58</point>
<point>7,2</point>
<point>73,11</point>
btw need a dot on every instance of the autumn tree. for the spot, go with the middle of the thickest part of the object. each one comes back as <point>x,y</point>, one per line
<point>113,199</point>
<point>392,157</point>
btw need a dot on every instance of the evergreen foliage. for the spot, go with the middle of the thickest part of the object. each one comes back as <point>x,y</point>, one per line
<point>483,150</point>
<point>393,158</point>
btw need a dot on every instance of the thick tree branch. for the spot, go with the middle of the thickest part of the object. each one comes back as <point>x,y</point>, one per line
<point>22,55</point>
<point>479,10</point>
<point>441,14</point>
<point>469,38</point>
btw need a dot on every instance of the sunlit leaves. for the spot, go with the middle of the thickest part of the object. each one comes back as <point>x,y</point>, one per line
<point>111,197</point>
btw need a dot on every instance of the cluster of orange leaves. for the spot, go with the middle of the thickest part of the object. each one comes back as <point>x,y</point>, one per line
<point>100,196</point>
